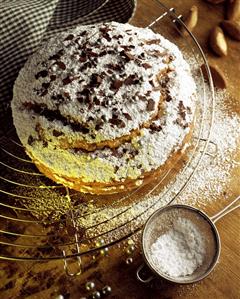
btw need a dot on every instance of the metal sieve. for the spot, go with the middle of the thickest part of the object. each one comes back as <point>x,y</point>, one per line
<point>162,220</point>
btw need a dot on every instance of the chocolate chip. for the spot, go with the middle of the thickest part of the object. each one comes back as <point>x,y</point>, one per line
<point>103,117</point>
<point>103,53</point>
<point>83,33</point>
<point>57,133</point>
<point>117,122</point>
<point>146,65</point>
<point>128,117</point>
<point>53,77</point>
<point>101,93</point>
<point>150,105</point>
<point>58,98</point>
<point>151,82</point>
<point>45,85</point>
<point>129,56</point>
<point>30,140</point>
<point>115,67</point>
<point>96,80</point>
<point>131,79</point>
<point>41,74</point>
<point>67,80</point>
<point>168,98</point>
<point>92,54</point>
<point>142,98</point>
<point>182,110</point>
<point>61,65</point>
<point>107,37</point>
<point>57,55</point>
<point>153,41</point>
<point>155,128</point>
<point>69,37</point>
<point>83,57</point>
<point>96,102</point>
<point>80,99</point>
<point>67,95</point>
<point>116,84</point>
<point>104,29</point>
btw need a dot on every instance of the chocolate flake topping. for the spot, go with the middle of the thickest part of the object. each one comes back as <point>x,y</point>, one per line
<point>83,57</point>
<point>69,79</point>
<point>116,84</point>
<point>117,122</point>
<point>127,55</point>
<point>30,140</point>
<point>155,128</point>
<point>153,41</point>
<point>61,65</point>
<point>128,117</point>
<point>131,79</point>
<point>96,80</point>
<point>150,105</point>
<point>146,65</point>
<point>182,110</point>
<point>46,85</point>
<point>57,55</point>
<point>69,37</point>
<point>41,74</point>
<point>53,77</point>
<point>57,133</point>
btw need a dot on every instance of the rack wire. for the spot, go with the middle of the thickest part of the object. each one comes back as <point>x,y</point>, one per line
<point>40,220</point>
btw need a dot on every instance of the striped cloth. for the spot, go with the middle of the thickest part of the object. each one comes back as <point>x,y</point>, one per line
<point>24,24</point>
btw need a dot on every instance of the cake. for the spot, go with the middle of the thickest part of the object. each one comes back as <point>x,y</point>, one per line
<point>103,108</point>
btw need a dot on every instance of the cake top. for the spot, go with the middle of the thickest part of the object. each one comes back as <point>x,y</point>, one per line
<point>98,83</point>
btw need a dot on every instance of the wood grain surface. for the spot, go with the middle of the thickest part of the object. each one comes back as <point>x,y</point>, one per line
<point>47,280</point>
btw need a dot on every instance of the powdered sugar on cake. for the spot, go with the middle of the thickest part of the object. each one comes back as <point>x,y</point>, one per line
<point>84,73</point>
<point>58,94</point>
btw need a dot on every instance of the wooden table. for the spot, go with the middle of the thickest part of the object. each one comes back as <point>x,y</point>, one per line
<point>46,280</point>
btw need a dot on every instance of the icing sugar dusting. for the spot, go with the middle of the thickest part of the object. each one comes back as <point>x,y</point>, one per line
<point>104,66</point>
<point>212,177</point>
<point>136,99</point>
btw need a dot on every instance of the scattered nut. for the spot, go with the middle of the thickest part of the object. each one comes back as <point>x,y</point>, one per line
<point>217,41</point>
<point>190,20</point>
<point>233,10</point>
<point>232,28</point>
<point>218,77</point>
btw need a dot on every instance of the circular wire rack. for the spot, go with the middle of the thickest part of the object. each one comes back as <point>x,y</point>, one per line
<point>40,220</point>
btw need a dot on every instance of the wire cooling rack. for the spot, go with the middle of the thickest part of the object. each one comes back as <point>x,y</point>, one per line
<point>40,220</point>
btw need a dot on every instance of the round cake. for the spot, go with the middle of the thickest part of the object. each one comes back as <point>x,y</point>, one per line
<point>103,108</point>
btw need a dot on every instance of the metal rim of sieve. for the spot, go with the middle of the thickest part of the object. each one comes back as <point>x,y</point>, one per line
<point>215,258</point>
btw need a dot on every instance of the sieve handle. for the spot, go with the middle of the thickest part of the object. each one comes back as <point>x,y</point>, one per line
<point>229,208</point>
<point>138,273</point>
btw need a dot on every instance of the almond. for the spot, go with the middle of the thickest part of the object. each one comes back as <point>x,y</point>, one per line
<point>217,41</point>
<point>232,28</point>
<point>218,77</point>
<point>233,10</point>
<point>190,20</point>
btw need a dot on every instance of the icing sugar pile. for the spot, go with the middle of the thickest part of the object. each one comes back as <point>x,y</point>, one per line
<point>180,251</point>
